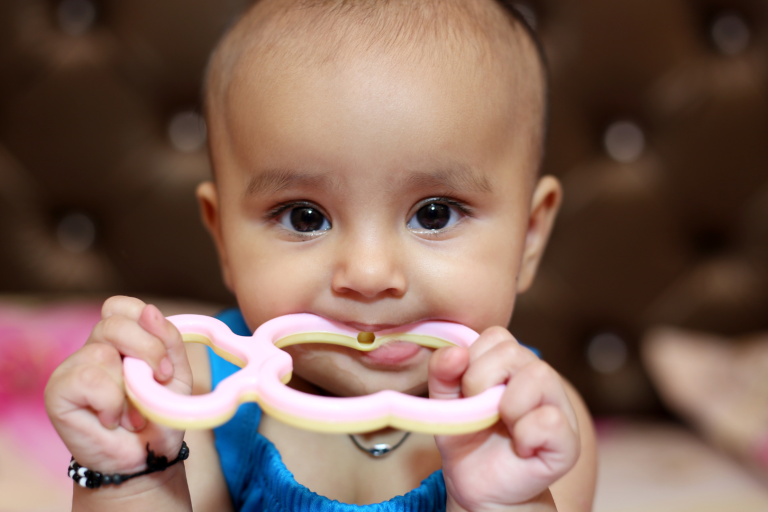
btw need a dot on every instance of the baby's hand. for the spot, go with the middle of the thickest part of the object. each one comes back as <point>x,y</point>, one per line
<point>535,443</point>
<point>85,397</point>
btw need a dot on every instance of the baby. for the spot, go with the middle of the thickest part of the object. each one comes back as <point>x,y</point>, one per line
<point>376,163</point>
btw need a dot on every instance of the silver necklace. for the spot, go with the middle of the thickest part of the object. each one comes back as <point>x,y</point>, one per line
<point>379,449</point>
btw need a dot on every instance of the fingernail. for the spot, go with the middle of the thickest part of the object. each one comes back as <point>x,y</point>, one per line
<point>166,368</point>
<point>127,421</point>
<point>762,452</point>
<point>446,355</point>
<point>130,427</point>
<point>156,315</point>
<point>136,420</point>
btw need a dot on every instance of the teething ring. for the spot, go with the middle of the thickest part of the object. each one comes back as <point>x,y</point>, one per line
<point>266,369</point>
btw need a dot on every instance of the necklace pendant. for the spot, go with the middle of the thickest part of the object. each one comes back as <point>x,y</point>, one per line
<point>379,450</point>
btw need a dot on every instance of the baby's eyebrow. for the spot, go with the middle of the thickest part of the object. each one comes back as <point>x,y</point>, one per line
<point>461,179</point>
<point>274,180</point>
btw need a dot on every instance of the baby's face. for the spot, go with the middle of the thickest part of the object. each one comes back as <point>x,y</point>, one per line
<point>375,193</point>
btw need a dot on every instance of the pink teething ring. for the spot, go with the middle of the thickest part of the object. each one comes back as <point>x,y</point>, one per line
<point>266,368</point>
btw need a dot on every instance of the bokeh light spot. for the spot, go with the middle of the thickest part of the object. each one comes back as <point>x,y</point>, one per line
<point>730,33</point>
<point>624,141</point>
<point>76,17</point>
<point>76,232</point>
<point>607,353</point>
<point>187,131</point>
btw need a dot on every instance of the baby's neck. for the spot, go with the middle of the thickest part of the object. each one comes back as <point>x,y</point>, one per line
<point>333,466</point>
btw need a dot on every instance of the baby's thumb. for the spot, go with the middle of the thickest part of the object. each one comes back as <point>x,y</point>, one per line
<point>446,368</point>
<point>153,321</point>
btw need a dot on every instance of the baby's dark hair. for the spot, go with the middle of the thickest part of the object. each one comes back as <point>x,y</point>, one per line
<point>304,32</point>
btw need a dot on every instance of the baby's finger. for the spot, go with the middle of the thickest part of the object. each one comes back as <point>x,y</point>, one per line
<point>131,340</point>
<point>534,385</point>
<point>546,433</point>
<point>129,307</point>
<point>131,419</point>
<point>96,354</point>
<point>488,339</point>
<point>446,366</point>
<point>153,321</point>
<point>87,387</point>
<point>105,356</point>
<point>497,364</point>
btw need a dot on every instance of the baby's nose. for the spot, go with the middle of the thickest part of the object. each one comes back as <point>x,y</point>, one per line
<point>370,266</point>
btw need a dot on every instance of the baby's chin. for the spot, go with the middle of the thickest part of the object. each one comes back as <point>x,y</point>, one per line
<point>344,371</point>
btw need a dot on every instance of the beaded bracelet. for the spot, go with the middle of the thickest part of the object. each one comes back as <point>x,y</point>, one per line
<point>93,479</point>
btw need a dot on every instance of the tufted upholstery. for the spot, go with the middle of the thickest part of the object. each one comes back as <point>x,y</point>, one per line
<point>659,132</point>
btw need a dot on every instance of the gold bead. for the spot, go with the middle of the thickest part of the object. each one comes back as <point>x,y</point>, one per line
<point>366,338</point>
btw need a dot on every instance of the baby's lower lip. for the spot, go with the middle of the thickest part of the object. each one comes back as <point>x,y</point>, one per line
<point>391,353</point>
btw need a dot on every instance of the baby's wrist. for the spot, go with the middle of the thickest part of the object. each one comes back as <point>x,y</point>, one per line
<point>94,479</point>
<point>164,490</point>
<point>541,503</point>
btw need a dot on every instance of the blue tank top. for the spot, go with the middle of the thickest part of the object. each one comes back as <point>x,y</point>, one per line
<point>256,476</point>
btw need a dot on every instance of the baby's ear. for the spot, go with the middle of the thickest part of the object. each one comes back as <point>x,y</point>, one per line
<point>544,206</point>
<point>208,199</point>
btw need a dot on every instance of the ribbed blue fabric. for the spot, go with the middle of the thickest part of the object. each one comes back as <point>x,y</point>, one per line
<point>259,481</point>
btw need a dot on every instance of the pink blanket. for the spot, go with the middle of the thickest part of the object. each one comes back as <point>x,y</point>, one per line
<point>34,340</point>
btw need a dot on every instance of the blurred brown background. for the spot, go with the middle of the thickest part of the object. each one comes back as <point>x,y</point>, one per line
<point>659,132</point>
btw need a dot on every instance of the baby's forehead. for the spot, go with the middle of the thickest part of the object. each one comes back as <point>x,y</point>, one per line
<point>280,41</point>
<point>458,35</point>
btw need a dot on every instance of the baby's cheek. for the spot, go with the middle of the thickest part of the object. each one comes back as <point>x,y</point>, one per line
<point>264,295</point>
<point>479,298</point>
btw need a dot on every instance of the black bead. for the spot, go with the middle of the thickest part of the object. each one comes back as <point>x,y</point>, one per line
<point>95,479</point>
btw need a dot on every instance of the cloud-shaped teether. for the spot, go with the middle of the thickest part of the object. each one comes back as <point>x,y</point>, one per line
<point>266,368</point>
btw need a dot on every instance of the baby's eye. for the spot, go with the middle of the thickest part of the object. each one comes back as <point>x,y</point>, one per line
<point>434,216</point>
<point>304,219</point>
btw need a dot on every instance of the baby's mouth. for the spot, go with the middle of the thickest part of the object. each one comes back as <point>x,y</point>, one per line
<point>369,328</point>
<point>395,349</point>
<point>392,353</point>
